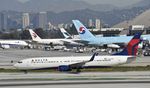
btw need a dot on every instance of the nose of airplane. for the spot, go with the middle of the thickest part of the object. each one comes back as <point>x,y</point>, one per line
<point>16,65</point>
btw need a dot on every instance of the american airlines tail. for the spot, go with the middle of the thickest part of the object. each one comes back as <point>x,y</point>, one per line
<point>132,47</point>
<point>65,33</point>
<point>84,33</point>
<point>34,36</point>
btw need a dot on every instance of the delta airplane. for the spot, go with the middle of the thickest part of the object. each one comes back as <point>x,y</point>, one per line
<point>7,43</point>
<point>86,35</point>
<point>37,39</point>
<point>66,64</point>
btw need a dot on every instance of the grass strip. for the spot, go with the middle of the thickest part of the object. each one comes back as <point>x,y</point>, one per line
<point>103,69</point>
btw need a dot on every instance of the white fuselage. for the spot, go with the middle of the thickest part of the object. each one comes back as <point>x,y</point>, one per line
<point>57,41</point>
<point>50,41</point>
<point>13,42</point>
<point>54,62</point>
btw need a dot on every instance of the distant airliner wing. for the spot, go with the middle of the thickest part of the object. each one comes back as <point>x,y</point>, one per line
<point>80,64</point>
<point>82,41</point>
<point>74,42</point>
<point>65,42</point>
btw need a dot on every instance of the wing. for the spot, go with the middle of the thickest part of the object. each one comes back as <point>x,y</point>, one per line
<point>81,41</point>
<point>75,41</point>
<point>80,64</point>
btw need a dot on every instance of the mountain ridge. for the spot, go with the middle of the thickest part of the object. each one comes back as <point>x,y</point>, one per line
<point>142,19</point>
<point>51,5</point>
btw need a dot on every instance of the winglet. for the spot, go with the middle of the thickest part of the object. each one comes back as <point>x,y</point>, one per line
<point>92,58</point>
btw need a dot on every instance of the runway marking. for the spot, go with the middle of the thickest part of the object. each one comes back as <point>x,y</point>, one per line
<point>75,83</point>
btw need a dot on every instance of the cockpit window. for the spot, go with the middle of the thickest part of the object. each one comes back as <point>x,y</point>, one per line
<point>19,61</point>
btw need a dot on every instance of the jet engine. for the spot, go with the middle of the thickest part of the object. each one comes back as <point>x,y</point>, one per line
<point>64,68</point>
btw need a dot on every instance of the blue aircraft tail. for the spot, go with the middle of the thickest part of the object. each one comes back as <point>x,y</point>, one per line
<point>132,47</point>
<point>83,32</point>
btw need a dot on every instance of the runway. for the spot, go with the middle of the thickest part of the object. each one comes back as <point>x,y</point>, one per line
<point>134,85</point>
<point>82,80</point>
<point>82,76</point>
<point>64,80</point>
<point>72,84</point>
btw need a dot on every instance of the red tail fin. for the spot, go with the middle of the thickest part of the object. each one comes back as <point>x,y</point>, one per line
<point>132,46</point>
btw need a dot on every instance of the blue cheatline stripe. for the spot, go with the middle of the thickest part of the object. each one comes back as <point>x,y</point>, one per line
<point>10,44</point>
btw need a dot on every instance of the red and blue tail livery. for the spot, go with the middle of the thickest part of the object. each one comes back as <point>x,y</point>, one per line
<point>82,30</point>
<point>132,47</point>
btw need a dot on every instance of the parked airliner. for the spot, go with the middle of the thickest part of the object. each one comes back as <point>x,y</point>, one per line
<point>37,39</point>
<point>7,43</point>
<point>84,42</point>
<point>87,36</point>
<point>78,62</point>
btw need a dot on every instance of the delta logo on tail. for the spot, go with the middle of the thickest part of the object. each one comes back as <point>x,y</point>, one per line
<point>82,30</point>
<point>132,47</point>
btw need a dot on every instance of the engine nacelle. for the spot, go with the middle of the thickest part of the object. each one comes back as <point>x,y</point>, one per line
<point>64,68</point>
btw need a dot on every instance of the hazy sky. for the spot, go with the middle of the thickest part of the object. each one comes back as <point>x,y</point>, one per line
<point>23,0</point>
<point>113,2</point>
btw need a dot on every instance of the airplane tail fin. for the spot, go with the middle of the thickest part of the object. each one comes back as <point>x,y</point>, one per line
<point>132,47</point>
<point>65,33</point>
<point>83,32</point>
<point>34,36</point>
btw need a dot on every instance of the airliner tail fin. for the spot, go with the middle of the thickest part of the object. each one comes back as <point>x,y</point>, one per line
<point>132,47</point>
<point>34,36</point>
<point>83,32</point>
